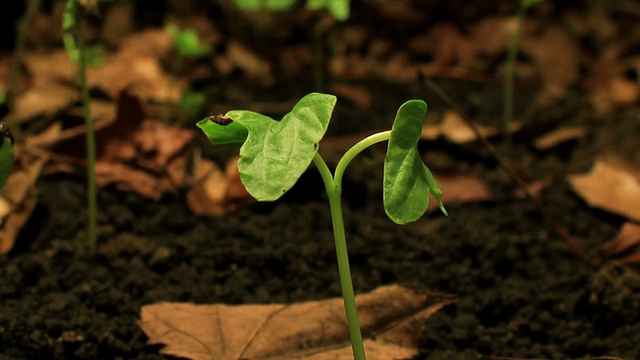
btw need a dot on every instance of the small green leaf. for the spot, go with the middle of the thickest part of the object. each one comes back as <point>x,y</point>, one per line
<point>223,134</point>
<point>6,154</point>
<point>339,9</point>
<point>269,5</point>
<point>528,3</point>
<point>277,153</point>
<point>187,42</point>
<point>407,181</point>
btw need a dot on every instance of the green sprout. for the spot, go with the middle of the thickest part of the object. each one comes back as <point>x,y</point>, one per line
<point>187,44</point>
<point>339,9</point>
<point>269,5</point>
<point>274,154</point>
<point>74,45</point>
<point>507,113</point>
<point>6,153</point>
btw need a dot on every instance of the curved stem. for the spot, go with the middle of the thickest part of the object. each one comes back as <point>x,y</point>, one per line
<point>334,191</point>
<point>91,146</point>
<point>357,149</point>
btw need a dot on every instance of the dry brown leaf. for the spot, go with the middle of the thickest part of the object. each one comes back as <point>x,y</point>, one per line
<point>142,154</point>
<point>392,315</point>
<point>43,99</point>
<point>216,192</point>
<point>461,189</point>
<point>18,199</point>
<point>250,63</point>
<point>456,130</point>
<point>359,95</point>
<point>626,245</point>
<point>559,136</point>
<point>133,152</point>
<point>557,57</point>
<point>611,186</point>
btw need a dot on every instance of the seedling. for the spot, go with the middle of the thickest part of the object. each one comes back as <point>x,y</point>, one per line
<point>187,44</point>
<point>6,153</point>
<point>74,45</point>
<point>274,154</point>
<point>507,113</point>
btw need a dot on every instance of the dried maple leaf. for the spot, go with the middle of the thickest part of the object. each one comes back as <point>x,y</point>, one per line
<point>611,186</point>
<point>391,318</point>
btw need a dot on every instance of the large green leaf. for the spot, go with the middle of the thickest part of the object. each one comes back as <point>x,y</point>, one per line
<point>407,181</point>
<point>276,153</point>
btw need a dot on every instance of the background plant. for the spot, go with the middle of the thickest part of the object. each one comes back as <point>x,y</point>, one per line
<point>274,154</point>
<point>75,47</point>
<point>337,10</point>
<point>187,44</point>
<point>509,74</point>
<point>6,153</point>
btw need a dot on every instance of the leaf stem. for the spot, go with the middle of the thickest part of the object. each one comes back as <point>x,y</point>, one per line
<point>91,145</point>
<point>334,191</point>
<point>357,149</point>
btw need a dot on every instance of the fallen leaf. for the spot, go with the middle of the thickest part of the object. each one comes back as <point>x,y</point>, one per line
<point>456,130</point>
<point>557,57</point>
<point>356,94</point>
<point>248,61</point>
<point>626,245</point>
<point>18,199</point>
<point>391,318</point>
<point>559,136</point>
<point>611,186</point>
<point>216,192</point>
<point>461,189</point>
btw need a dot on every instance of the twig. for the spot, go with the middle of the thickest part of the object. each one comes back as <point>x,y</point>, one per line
<point>504,163</point>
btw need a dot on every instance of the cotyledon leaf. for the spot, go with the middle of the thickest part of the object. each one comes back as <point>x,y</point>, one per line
<point>407,181</point>
<point>6,154</point>
<point>275,153</point>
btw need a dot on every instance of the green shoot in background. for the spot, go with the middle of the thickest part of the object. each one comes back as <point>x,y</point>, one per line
<point>6,154</point>
<point>507,113</point>
<point>337,9</point>
<point>274,154</point>
<point>187,44</point>
<point>21,38</point>
<point>74,44</point>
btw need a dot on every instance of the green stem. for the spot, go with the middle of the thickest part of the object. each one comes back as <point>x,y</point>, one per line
<point>333,184</point>
<point>334,191</point>
<point>507,115</point>
<point>91,146</point>
<point>168,105</point>
<point>357,149</point>
<point>23,27</point>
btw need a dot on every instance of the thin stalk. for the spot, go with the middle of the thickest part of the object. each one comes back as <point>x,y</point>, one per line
<point>334,191</point>
<point>357,149</point>
<point>91,147</point>
<point>23,27</point>
<point>175,69</point>
<point>507,115</point>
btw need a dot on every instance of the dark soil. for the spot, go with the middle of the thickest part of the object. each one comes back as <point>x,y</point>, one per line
<point>522,292</point>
